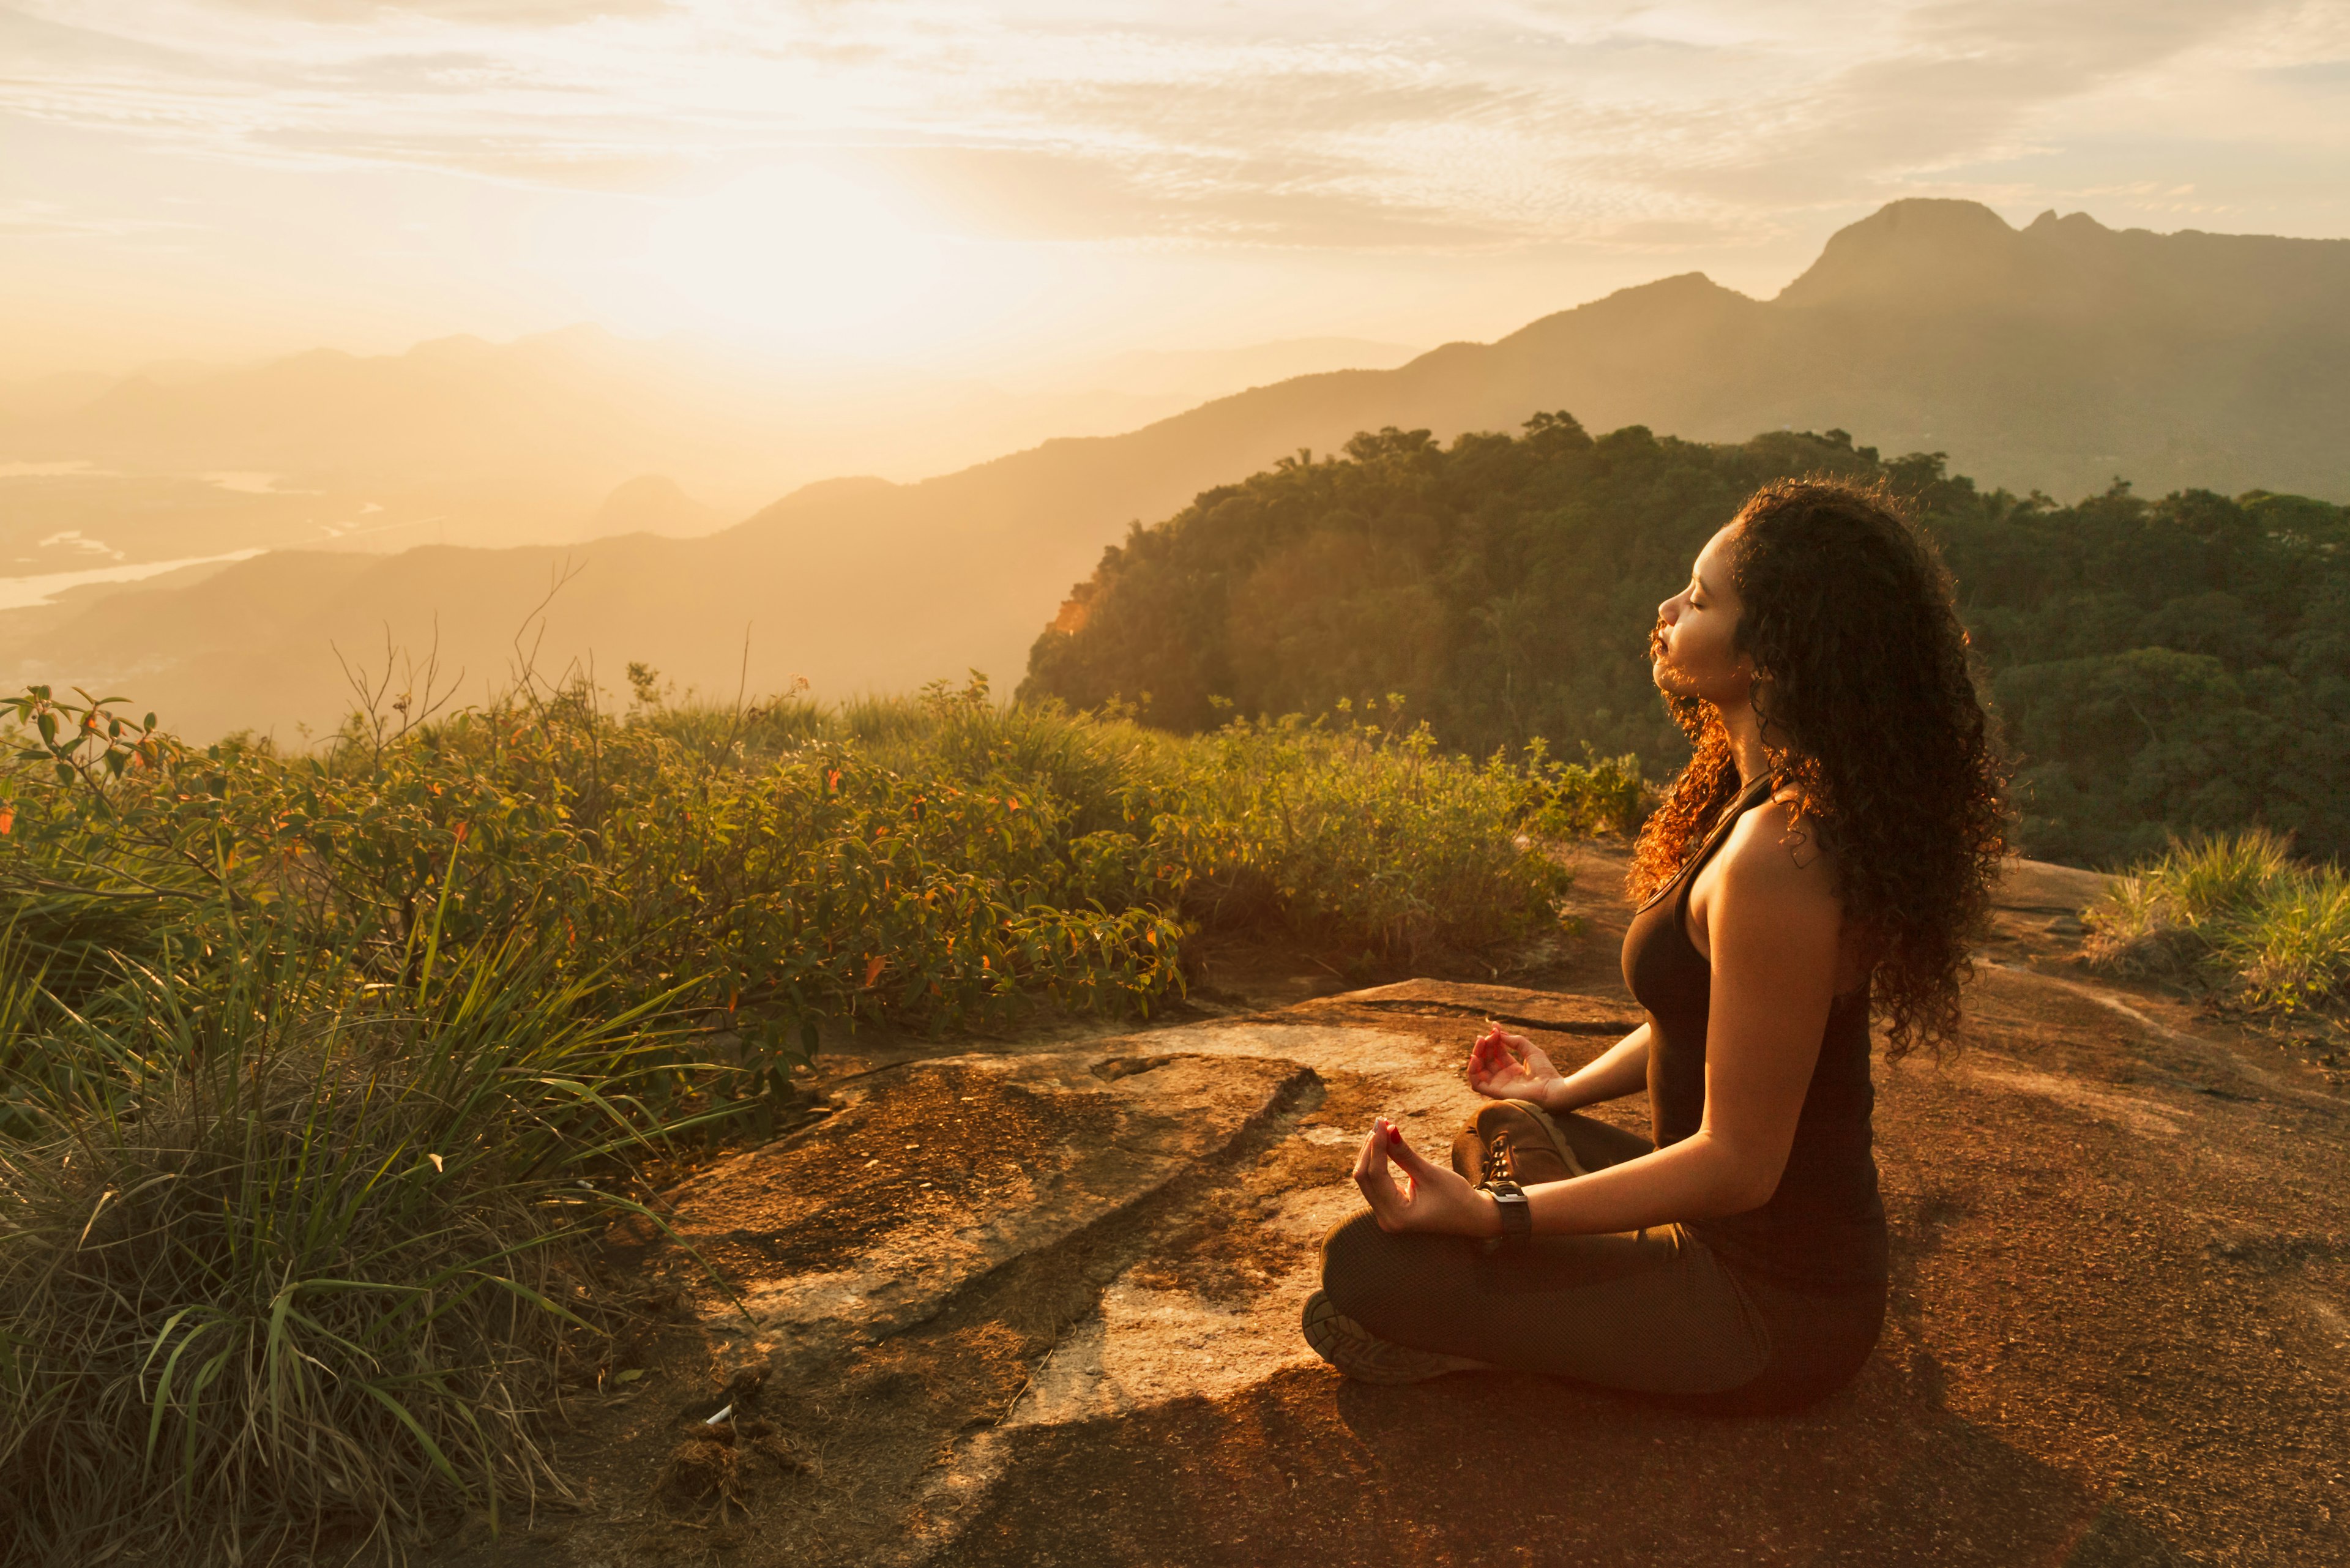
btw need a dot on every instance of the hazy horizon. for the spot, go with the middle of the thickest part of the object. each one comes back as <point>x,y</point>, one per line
<point>944,191</point>
<point>656,284</point>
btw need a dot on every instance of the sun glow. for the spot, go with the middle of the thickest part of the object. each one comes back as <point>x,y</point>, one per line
<point>794,252</point>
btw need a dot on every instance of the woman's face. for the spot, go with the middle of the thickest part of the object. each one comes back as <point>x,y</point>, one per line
<point>1691,652</point>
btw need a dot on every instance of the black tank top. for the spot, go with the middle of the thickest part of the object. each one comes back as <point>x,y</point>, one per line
<point>1824,1228</point>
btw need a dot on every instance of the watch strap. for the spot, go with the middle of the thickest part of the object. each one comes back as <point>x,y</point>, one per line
<point>1517,1214</point>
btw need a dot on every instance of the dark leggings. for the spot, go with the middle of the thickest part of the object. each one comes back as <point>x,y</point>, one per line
<point>1653,1311</point>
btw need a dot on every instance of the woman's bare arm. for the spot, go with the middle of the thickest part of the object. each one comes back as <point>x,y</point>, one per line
<point>1621,1070</point>
<point>1773,927</point>
<point>1690,1180</point>
<point>1506,1066</point>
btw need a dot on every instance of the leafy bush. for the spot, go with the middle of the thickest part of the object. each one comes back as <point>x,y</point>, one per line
<point>1368,838</point>
<point>2238,912</point>
<point>1597,795</point>
<point>824,885</point>
<point>317,1071</point>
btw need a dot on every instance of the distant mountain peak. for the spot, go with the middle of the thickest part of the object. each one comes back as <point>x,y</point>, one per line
<point>1684,296</point>
<point>1916,247</point>
<point>2075,228</point>
<point>650,504</point>
<point>1932,214</point>
<point>1680,282</point>
<point>458,345</point>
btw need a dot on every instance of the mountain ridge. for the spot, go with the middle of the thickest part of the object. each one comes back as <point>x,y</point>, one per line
<point>2238,376</point>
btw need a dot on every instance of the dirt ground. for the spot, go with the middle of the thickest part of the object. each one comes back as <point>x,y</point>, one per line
<point>1060,1328</point>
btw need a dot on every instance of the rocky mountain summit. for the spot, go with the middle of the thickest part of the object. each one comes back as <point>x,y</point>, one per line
<point>1036,1304</point>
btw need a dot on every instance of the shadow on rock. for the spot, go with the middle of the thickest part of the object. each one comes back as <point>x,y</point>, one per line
<point>1495,1468</point>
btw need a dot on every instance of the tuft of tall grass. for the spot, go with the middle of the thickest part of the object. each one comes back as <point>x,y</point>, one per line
<point>2238,912</point>
<point>2294,954</point>
<point>293,1264</point>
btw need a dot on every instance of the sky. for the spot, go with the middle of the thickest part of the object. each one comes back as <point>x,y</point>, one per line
<point>966,187</point>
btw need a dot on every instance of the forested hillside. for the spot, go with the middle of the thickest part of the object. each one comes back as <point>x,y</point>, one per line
<point>2160,666</point>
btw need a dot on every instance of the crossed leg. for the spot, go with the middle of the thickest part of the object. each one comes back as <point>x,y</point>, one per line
<point>1648,1311</point>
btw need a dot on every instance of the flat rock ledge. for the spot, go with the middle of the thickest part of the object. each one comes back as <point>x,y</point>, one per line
<point>935,1174</point>
<point>1038,1307</point>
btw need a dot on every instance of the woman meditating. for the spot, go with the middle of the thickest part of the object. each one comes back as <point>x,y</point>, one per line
<point>1829,847</point>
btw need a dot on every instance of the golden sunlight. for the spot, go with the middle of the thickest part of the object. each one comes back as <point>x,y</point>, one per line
<point>818,724</point>
<point>793,250</point>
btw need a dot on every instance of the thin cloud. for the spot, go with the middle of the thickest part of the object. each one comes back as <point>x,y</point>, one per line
<point>527,13</point>
<point>25,219</point>
<point>1426,126</point>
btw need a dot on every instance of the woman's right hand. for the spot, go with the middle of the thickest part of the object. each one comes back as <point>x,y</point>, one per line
<point>1432,1197</point>
<point>1506,1066</point>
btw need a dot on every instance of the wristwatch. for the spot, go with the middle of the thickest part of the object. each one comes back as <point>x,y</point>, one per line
<point>1517,1215</point>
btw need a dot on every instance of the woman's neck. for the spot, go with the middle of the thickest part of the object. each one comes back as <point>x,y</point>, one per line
<point>1744,730</point>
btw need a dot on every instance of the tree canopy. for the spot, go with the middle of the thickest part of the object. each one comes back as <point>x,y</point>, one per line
<point>2162,667</point>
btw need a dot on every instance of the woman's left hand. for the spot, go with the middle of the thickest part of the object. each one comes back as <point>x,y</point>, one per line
<point>1506,1066</point>
<point>1432,1197</point>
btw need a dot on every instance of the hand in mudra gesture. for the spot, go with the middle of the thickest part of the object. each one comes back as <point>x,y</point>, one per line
<point>1506,1066</point>
<point>1431,1197</point>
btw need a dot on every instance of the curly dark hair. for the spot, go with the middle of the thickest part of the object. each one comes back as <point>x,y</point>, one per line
<point>1870,716</point>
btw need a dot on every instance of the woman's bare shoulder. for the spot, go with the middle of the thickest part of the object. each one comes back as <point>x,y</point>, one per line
<point>1775,849</point>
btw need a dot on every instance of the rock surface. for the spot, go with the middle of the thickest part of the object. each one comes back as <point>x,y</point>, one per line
<point>1062,1328</point>
<point>933,1174</point>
